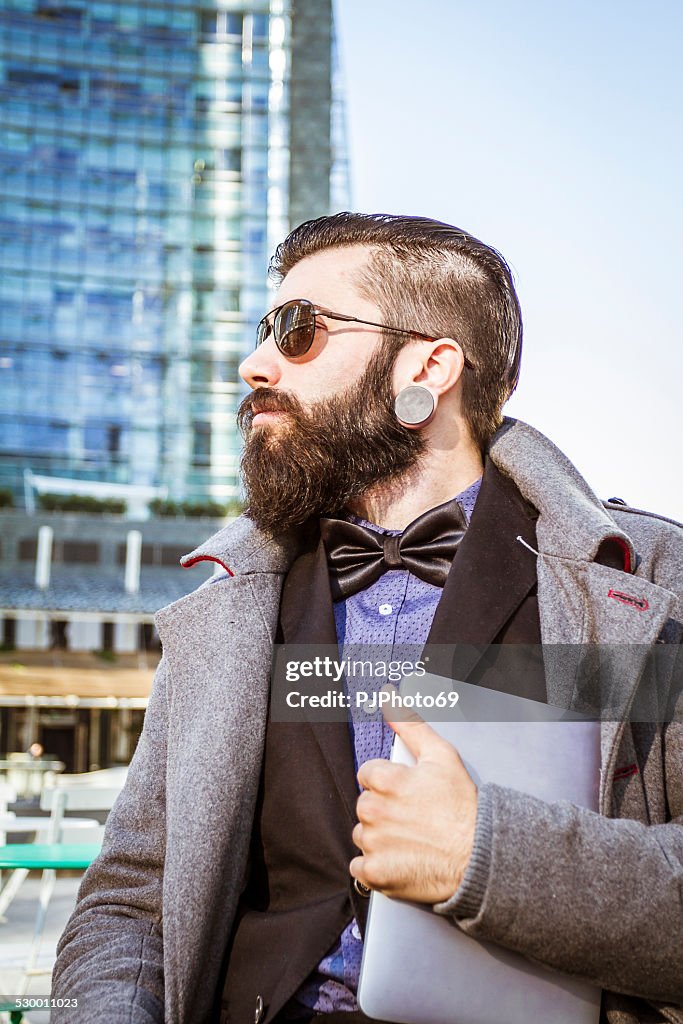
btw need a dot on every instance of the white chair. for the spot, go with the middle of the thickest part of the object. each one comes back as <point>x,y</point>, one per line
<point>113,777</point>
<point>27,775</point>
<point>78,793</point>
<point>7,796</point>
<point>53,829</point>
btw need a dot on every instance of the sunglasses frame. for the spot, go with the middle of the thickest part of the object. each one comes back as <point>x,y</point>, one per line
<point>265,328</point>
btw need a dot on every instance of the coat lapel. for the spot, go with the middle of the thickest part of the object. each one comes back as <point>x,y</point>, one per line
<point>490,576</point>
<point>307,617</point>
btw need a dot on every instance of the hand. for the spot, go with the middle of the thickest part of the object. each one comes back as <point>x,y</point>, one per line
<point>415,824</point>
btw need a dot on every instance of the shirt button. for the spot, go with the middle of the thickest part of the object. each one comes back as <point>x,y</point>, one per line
<point>355,931</point>
<point>385,609</point>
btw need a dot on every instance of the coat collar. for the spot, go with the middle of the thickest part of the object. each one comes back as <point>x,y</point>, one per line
<point>241,547</point>
<point>573,523</point>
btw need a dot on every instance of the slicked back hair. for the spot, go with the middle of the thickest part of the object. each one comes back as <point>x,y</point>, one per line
<point>433,278</point>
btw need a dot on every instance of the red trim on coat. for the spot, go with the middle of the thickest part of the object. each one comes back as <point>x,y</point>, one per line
<point>206,558</point>
<point>640,604</point>
<point>625,551</point>
<point>623,773</point>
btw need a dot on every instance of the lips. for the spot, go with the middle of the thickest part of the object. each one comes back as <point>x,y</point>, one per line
<point>265,410</point>
<point>260,416</point>
<point>265,406</point>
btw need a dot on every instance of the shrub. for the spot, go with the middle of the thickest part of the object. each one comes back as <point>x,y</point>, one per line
<point>6,498</point>
<point>163,507</point>
<point>234,507</point>
<point>208,509</point>
<point>195,509</point>
<point>80,503</point>
<point>105,655</point>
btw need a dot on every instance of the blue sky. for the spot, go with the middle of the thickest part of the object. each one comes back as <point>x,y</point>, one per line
<point>554,132</point>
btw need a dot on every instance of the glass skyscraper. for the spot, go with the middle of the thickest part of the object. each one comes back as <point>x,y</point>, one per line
<point>152,155</point>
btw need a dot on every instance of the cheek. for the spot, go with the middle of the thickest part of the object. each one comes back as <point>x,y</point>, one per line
<point>328,381</point>
<point>329,373</point>
<point>346,372</point>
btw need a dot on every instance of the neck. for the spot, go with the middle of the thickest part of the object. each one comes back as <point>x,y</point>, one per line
<point>441,474</point>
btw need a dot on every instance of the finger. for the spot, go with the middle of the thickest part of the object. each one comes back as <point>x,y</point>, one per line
<point>357,835</point>
<point>356,868</point>
<point>364,870</point>
<point>394,710</point>
<point>366,807</point>
<point>377,774</point>
<point>421,740</point>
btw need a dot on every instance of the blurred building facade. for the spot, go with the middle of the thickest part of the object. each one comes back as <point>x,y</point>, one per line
<point>153,153</point>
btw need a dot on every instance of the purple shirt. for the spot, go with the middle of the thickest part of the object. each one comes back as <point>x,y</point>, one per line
<point>394,613</point>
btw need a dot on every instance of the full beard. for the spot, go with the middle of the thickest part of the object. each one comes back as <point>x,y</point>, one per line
<point>312,462</point>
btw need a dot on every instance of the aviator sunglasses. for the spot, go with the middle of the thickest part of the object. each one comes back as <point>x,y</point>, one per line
<point>295,322</point>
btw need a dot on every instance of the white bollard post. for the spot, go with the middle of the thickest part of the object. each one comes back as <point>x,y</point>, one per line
<point>133,552</point>
<point>44,557</point>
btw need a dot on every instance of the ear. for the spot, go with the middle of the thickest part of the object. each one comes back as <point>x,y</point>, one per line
<point>436,365</point>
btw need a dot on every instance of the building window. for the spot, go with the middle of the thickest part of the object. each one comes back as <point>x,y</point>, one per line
<point>9,635</point>
<point>58,636</point>
<point>28,549</point>
<point>148,638</point>
<point>220,23</point>
<point>114,440</point>
<point>83,552</point>
<point>171,555</point>
<point>107,636</point>
<point>57,12</point>
<point>208,23</point>
<point>260,27</point>
<point>229,160</point>
<point>201,444</point>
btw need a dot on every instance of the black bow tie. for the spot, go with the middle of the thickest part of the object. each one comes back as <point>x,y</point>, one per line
<point>357,556</point>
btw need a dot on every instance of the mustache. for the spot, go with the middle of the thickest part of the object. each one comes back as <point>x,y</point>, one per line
<point>265,400</point>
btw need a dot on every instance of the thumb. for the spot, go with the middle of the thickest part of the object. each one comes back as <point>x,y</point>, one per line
<point>418,736</point>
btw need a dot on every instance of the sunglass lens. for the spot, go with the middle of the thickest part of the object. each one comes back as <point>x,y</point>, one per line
<point>262,331</point>
<point>295,328</point>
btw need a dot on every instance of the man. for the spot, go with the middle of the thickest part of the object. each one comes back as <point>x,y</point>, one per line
<point>388,504</point>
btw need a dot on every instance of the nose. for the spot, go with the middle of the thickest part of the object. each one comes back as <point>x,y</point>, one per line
<point>262,367</point>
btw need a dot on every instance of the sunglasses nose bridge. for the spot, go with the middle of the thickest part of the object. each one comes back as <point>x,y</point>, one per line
<point>264,330</point>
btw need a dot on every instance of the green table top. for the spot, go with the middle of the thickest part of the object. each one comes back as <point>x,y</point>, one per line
<point>48,855</point>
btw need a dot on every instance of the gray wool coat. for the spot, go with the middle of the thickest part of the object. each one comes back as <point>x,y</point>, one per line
<point>599,896</point>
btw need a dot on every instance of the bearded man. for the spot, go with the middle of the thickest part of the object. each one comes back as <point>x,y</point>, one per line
<point>389,503</point>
